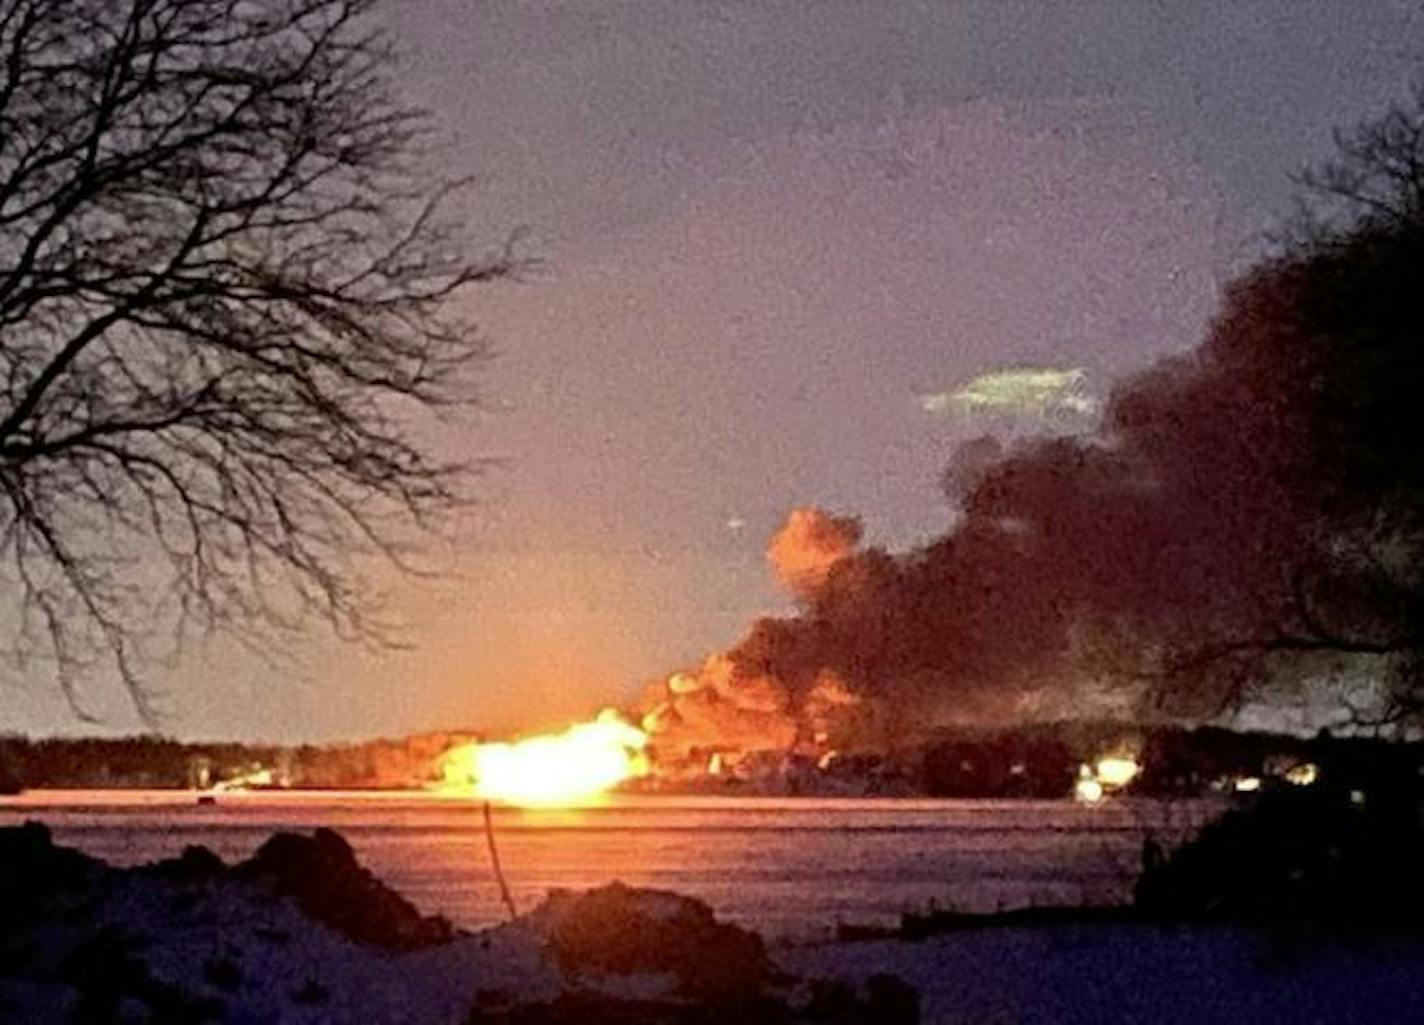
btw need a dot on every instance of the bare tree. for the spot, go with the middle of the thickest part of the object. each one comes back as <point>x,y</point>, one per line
<point>224,278</point>
<point>1375,179</point>
<point>1353,595</point>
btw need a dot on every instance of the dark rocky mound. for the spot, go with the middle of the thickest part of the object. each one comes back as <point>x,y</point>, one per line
<point>622,931</point>
<point>196,864</point>
<point>41,881</point>
<point>1298,855</point>
<point>321,874</point>
<point>34,869</point>
<point>722,971</point>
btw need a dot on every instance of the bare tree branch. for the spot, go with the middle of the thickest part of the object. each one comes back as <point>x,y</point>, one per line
<point>225,285</point>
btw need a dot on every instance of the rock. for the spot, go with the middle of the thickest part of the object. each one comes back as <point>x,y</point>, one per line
<point>322,876</point>
<point>623,931</point>
<point>195,864</point>
<point>34,869</point>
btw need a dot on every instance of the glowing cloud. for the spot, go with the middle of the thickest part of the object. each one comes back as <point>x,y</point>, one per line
<point>1037,391</point>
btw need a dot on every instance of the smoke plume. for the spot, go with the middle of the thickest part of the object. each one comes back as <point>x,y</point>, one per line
<point>808,544</point>
<point>1246,512</point>
<point>1250,513</point>
<point>1248,497</point>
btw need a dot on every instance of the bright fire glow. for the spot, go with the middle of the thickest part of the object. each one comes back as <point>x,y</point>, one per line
<point>1108,773</point>
<point>1088,790</point>
<point>572,767</point>
<point>1116,770</point>
<point>255,778</point>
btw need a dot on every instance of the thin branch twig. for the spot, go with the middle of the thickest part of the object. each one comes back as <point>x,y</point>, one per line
<point>504,893</point>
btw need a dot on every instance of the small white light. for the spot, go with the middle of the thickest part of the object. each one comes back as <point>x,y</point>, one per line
<point>1089,791</point>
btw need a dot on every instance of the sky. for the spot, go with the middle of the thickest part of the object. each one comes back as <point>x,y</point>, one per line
<point>768,236</point>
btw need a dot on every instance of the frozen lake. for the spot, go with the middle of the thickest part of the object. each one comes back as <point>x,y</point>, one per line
<point>790,867</point>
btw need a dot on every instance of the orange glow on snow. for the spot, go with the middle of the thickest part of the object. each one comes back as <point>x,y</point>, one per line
<point>572,767</point>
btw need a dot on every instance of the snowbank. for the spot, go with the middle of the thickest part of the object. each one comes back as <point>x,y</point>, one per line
<point>193,940</point>
<point>301,933</point>
<point>1100,973</point>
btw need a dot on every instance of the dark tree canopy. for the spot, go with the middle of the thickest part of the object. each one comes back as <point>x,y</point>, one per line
<point>224,285</point>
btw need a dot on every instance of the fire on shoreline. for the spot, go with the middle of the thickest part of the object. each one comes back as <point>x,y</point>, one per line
<point>571,767</point>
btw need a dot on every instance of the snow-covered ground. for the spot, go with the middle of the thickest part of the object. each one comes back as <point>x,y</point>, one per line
<point>1097,974</point>
<point>263,961</point>
<point>202,942</point>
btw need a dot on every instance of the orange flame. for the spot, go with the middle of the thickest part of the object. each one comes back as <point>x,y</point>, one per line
<point>572,767</point>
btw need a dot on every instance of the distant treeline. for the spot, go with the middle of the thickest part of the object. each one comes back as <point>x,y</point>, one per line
<point>1032,760</point>
<point>151,761</point>
<point>1045,760</point>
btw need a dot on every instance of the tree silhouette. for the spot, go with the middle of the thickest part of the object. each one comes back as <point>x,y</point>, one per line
<point>1319,346</point>
<point>224,285</point>
<point>1355,258</point>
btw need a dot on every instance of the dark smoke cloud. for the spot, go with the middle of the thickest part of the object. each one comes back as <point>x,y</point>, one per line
<point>1262,491</point>
<point>969,465</point>
<point>1249,513</point>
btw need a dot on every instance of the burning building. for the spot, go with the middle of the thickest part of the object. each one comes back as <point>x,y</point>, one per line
<point>721,720</point>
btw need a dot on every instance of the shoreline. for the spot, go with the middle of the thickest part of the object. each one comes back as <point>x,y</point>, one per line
<point>793,869</point>
<point>302,932</point>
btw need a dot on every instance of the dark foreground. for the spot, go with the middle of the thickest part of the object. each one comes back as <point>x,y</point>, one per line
<point>300,932</point>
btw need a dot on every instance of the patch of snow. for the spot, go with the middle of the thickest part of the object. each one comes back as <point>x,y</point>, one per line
<point>1091,974</point>
<point>267,962</point>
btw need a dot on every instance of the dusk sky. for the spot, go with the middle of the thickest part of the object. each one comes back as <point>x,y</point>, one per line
<point>768,233</point>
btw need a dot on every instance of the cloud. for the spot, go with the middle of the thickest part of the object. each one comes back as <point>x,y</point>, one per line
<point>1042,392</point>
